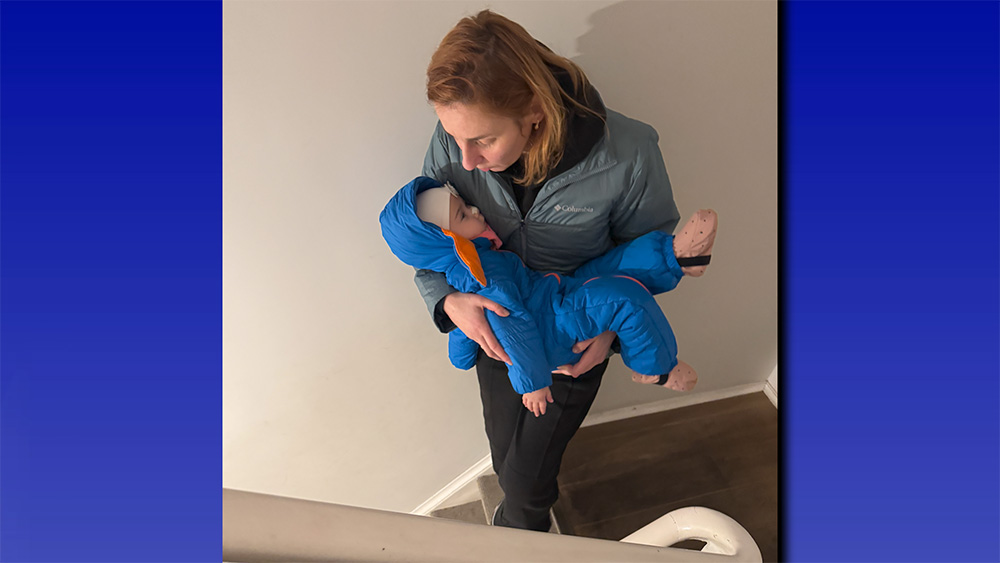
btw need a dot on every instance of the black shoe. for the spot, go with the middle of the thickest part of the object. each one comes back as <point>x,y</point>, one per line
<point>553,527</point>
<point>493,521</point>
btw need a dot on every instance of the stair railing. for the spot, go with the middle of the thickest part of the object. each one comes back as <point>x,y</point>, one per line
<point>258,527</point>
<point>720,533</point>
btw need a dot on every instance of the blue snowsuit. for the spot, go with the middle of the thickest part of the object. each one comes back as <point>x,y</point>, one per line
<point>548,313</point>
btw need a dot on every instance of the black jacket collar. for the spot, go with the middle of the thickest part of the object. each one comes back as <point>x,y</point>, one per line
<point>584,129</point>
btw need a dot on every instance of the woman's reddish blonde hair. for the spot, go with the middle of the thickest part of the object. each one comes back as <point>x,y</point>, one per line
<point>491,62</point>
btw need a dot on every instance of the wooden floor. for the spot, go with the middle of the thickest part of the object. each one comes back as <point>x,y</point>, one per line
<point>619,476</point>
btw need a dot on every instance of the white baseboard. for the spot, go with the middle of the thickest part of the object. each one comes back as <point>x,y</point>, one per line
<point>460,487</point>
<point>771,393</point>
<point>671,403</point>
<point>463,488</point>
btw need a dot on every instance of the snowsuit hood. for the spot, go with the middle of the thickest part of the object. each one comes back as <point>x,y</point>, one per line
<point>426,246</point>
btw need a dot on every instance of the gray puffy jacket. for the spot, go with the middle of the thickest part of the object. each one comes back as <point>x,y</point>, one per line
<point>619,192</point>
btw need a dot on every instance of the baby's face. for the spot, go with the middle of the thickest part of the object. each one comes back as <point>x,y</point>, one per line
<point>465,220</point>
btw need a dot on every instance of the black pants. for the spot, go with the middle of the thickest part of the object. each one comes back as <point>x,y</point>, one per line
<point>527,451</point>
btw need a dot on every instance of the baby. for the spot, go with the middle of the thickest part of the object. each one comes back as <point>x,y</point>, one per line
<point>429,226</point>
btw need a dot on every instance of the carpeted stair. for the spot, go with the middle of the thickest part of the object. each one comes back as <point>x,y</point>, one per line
<point>481,511</point>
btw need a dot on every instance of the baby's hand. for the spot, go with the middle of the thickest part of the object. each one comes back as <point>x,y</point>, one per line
<point>536,400</point>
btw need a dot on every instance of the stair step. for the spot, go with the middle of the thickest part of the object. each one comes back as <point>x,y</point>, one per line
<point>492,494</point>
<point>469,512</point>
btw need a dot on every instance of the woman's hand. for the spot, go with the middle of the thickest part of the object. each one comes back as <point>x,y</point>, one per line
<point>594,350</point>
<point>466,310</point>
<point>536,401</point>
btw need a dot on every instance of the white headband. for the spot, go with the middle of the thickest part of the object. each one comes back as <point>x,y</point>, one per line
<point>434,205</point>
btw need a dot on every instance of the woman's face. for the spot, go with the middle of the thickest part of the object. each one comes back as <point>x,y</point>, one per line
<point>488,142</point>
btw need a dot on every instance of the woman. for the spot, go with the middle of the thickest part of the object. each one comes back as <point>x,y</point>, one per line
<point>524,137</point>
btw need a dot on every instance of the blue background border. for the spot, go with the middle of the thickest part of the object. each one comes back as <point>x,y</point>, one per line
<point>111,295</point>
<point>889,387</point>
<point>110,298</point>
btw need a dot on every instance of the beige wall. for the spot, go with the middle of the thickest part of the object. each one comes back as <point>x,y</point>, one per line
<point>336,384</point>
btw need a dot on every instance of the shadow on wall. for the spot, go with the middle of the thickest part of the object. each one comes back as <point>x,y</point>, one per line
<point>673,48</point>
<point>704,75</point>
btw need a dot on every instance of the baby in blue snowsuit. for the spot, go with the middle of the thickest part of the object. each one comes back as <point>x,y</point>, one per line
<point>429,226</point>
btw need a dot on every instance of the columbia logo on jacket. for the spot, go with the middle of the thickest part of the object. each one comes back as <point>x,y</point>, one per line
<point>573,209</point>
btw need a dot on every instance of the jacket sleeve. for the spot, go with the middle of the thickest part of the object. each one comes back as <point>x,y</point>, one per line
<point>433,288</point>
<point>438,160</point>
<point>648,202</point>
<point>518,334</point>
<point>432,285</point>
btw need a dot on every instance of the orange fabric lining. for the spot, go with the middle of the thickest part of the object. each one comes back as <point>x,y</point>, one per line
<point>558,279</point>
<point>467,252</point>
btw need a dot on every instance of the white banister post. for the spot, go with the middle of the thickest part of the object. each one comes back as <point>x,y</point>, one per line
<point>721,533</point>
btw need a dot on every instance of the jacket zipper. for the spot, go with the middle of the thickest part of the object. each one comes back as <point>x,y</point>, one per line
<point>524,241</point>
<point>521,229</point>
